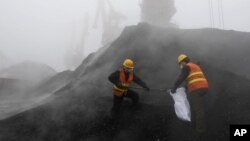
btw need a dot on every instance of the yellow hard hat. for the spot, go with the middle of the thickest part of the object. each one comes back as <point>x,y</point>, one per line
<point>181,57</point>
<point>128,63</point>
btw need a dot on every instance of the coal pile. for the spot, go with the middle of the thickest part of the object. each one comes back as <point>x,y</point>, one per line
<point>28,70</point>
<point>53,84</point>
<point>19,87</point>
<point>10,87</point>
<point>81,110</point>
<point>18,81</point>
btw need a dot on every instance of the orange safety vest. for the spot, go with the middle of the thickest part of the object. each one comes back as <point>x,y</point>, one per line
<point>124,82</point>
<point>196,79</point>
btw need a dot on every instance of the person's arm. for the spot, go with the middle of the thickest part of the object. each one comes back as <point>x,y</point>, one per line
<point>138,81</point>
<point>184,74</point>
<point>114,77</point>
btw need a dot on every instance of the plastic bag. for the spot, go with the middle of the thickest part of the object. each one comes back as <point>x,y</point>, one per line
<point>181,104</point>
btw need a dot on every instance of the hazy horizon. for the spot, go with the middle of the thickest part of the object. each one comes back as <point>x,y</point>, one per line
<point>42,31</point>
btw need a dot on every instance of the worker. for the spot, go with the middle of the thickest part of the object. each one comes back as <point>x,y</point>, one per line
<point>197,87</point>
<point>122,79</point>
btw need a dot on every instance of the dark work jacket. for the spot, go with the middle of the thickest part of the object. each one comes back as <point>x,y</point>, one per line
<point>182,77</point>
<point>114,78</point>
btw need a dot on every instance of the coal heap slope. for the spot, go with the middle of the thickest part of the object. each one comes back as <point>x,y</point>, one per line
<point>53,84</point>
<point>10,87</point>
<point>81,110</point>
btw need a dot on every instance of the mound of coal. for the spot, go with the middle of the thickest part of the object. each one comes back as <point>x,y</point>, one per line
<point>29,71</point>
<point>10,87</point>
<point>54,83</point>
<point>81,110</point>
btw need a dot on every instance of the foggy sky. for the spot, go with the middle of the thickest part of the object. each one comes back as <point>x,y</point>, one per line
<point>42,30</point>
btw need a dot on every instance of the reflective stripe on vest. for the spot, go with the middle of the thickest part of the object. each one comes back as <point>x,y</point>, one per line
<point>195,73</point>
<point>196,79</point>
<point>121,90</point>
<point>124,82</point>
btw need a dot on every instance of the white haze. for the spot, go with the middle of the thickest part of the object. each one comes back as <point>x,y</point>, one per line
<point>42,30</point>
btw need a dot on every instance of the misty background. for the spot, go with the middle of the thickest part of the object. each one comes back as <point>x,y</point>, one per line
<point>45,30</point>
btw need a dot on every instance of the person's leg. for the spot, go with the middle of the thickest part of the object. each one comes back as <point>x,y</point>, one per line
<point>117,101</point>
<point>201,125</point>
<point>134,96</point>
<point>198,109</point>
<point>193,117</point>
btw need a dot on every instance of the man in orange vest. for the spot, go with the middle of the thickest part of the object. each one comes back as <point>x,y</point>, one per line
<point>122,79</point>
<point>197,87</point>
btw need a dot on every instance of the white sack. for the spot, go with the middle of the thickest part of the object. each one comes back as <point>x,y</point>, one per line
<point>181,104</point>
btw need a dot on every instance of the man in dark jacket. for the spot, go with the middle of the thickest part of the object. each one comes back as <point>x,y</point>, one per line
<point>122,79</point>
<point>197,86</point>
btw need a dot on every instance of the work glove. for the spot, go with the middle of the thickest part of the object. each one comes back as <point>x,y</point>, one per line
<point>173,91</point>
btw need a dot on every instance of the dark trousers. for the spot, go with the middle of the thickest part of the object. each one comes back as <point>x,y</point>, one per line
<point>196,99</point>
<point>117,101</point>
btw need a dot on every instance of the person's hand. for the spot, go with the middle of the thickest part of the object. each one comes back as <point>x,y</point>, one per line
<point>173,91</point>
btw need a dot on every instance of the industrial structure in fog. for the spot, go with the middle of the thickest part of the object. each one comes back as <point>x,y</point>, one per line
<point>75,52</point>
<point>158,12</point>
<point>4,61</point>
<point>111,20</point>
